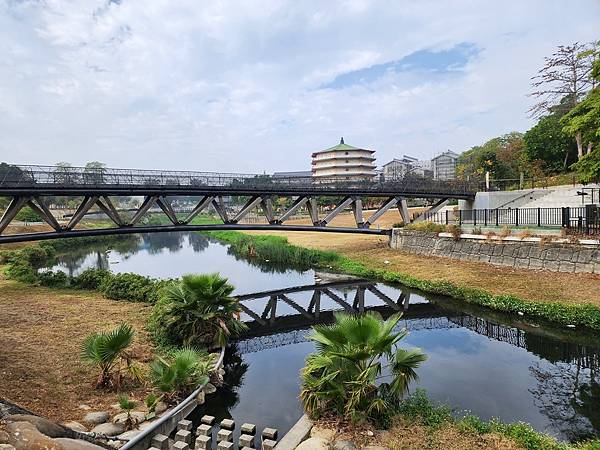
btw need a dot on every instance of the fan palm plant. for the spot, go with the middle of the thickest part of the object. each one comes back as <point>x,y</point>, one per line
<point>108,351</point>
<point>198,310</point>
<point>181,371</point>
<point>342,376</point>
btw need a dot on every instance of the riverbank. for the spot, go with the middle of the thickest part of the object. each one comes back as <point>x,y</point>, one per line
<point>41,335</point>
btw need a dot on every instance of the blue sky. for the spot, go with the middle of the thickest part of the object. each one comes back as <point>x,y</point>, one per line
<point>257,85</point>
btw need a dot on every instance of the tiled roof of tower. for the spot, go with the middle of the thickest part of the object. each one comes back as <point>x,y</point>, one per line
<point>342,146</point>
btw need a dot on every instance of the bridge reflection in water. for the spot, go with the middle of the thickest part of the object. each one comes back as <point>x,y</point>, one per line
<point>561,374</point>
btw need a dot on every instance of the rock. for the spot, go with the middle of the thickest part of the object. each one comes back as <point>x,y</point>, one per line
<point>323,433</point>
<point>160,408</point>
<point>4,437</point>
<point>109,429</point>
<point>221,372</point>
<point>85,407</point>
<point>314,443</point>
<point>136,417</point>
<point>44,426</point>
<point>209,389</point>
<point>77,444</point>
<point>344,445</point>
<point>129,435</point>
<point>25,436</point>
<point>96,418</point>
<point>7,447</point>
<point>76,426</point>
<point>200,398</point>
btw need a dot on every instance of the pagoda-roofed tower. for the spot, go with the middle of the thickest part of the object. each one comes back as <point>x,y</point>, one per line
<point>343,162</point>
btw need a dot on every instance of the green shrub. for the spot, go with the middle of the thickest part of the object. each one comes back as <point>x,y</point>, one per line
<point>53,279</point>
<point>198,310</point>
<point>419,407</point>
<point>430,227</point>
<point>90,278</point>
<point>28,215</point>
<point>129,286</point>
<point>181,371</point>
<point>21,271</point>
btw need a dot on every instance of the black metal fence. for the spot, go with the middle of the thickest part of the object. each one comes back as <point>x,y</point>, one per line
<point>583,219</point>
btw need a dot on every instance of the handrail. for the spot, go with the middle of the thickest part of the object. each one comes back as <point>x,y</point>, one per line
<point>164,418</point>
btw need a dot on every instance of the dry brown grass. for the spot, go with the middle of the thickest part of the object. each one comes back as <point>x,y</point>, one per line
<point>532,285</point>
<point>405,435</point>
<point>41,335</point>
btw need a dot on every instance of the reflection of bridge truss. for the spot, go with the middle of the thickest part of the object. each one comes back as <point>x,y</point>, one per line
<point>260,343</point>
<point>269,330</point>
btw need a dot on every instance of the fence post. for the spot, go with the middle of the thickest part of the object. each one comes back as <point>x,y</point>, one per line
<point>496,216</point>
<point>516,217</point>
<point>474,217</point>
<point>539,217</point>
<point>446,217</point>
<point>460,217</point>
<point>485,214</point>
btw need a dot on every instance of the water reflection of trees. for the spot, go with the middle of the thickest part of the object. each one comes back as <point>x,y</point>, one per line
<point>568,392</point>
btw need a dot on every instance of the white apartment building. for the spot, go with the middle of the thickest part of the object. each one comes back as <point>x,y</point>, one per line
<point>444,165</point>
<point>343,161</point>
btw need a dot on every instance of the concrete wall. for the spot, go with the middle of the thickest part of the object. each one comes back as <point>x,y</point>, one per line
<point>496,199</point>
<point>511,252</point>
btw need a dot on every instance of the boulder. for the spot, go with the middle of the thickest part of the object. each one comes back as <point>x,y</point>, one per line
<point>77,444</point>
<point>44,426</point>
<point>314,443</point>
<point>344,445</point>
<point>25,436</point>
<point>200,398</point>
<point>160,408</point>
<point>209,389</point>
<point>323,433</point>
<point>75,426</point>
<point>109,429</point>
<point>96,418</point>
<point>136,417</point>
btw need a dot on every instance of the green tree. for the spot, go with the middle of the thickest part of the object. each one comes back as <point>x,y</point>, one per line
<point>108,351</point>
<point>93,172</point>
<point>501,156</point>
<point>198,310</point>
<point>584,119</point>
<point>352,353</point>
<point>548,145</point>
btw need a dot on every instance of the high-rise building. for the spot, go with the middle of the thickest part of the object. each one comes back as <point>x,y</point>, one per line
<point>343,162</point>
<point>444,165</point>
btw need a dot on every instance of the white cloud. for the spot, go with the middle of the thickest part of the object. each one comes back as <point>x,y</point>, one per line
<point>234,85</point>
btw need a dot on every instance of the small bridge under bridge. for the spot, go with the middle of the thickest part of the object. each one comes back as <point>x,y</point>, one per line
<point>96,190</point>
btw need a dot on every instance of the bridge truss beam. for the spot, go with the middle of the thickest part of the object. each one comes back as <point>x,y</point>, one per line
<point>124,223</point>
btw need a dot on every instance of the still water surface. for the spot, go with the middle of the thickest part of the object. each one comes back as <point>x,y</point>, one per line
<point>490,365</point>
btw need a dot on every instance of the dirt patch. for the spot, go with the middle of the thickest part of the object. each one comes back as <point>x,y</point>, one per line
<point>41,335</point>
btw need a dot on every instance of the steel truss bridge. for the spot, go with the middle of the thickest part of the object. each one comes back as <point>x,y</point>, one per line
<point>270,330</point>
<point>96,189</point>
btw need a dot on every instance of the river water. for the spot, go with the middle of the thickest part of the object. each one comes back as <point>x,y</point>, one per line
<point>487,364</point>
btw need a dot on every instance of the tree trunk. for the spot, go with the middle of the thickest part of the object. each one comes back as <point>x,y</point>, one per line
<point>579,145</point>
<point>589,147</point>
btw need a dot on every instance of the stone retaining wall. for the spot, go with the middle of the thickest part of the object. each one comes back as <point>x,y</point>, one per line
<point>530,253</point>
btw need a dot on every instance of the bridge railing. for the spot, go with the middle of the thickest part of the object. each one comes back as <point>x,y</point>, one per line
<point>32,176</point>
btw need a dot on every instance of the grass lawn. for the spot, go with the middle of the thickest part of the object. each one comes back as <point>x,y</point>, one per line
<point>41,334</point>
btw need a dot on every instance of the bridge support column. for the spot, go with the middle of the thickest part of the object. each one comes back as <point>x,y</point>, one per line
<point>338,209</point>
<point>202,204</point>
<point>298,203</point>
<point>390,202</point>
<point>267,207</point>
<point>144,207</point>
<point>109,209</point>
<point>250,204</point>
<point>13,209</point>
<point>403,209</point>
<point>432,210</point>
<point>357,209</point>
<point>313,210</point>
<point>219,206</point>
<point>166,207</point>
<point>42,210</point>
<point>83,208</point>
